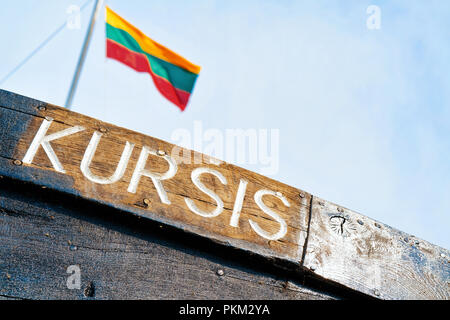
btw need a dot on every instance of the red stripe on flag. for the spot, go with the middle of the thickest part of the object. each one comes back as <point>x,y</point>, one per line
<point>140,63</point>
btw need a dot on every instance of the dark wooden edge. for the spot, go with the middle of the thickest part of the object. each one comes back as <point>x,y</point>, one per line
<point>319,228</point>
<point>177,239</point>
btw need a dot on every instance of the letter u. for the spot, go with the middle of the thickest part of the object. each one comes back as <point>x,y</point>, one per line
<point>89,154</point>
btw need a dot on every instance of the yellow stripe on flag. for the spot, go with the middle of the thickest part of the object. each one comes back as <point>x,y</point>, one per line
<point>148,45</point>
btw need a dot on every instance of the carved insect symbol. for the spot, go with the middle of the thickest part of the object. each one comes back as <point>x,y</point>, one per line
<point>342,225</point>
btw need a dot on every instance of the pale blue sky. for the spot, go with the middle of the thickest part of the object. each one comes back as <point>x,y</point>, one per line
<point>364,115</point>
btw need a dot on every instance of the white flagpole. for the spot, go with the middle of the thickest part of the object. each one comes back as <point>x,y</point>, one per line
<point>87,39</point>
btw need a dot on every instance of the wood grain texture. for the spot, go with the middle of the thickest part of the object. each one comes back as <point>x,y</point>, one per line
<point>373,258</point>
<point>70,151</point>
<point>42,233</point>
<point>331,244</point>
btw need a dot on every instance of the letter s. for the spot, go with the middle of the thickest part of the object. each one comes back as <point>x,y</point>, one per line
<point>195,177</point>
<point>283,226</point>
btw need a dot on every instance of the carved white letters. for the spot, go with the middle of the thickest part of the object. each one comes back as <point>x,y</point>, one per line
<point>140,171</point>
<point>283,226</point>
<point>42,139</point>
<point>234,221</point>
<point>89,154</point>
<point>195,177</point>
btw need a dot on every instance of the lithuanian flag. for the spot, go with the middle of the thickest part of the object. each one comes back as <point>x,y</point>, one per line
<point>173,75</point>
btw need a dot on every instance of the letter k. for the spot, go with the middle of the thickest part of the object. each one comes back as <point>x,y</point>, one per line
<point>42,139</point>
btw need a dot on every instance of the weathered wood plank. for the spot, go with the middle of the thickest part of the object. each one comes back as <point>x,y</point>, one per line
<point>373,258</point>
<point>365,256</point>
<point>13,125</point>
<point>20,103</point>
<point>121,257</point>
<point>8,298</point>
<point>145,200</point>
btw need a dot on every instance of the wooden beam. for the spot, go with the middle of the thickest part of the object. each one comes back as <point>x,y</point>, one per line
<point>373,258</point>
<point>62,165</point>
<point>55,148</point>
<point>43,235</point>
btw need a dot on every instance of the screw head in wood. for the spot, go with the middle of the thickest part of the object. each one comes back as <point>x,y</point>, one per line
<point>161,153</point>
<point>146,201</point>
<point>301,195</point>
<point>103,130</point>
<point>220,272</point>
<point>42,108</point>
<point>376,292</point>
<point>17,162</point>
